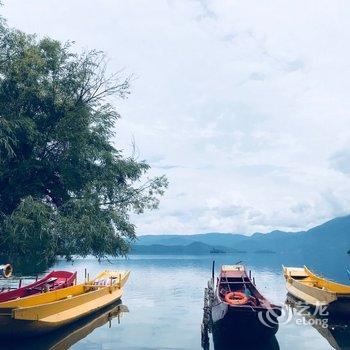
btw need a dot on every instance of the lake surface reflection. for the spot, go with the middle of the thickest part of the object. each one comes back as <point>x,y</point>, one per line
<point>164,300</point>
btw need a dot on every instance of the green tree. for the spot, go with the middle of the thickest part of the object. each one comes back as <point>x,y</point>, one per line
<point>64,187</point>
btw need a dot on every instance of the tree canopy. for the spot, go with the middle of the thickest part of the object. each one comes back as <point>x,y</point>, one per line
<point>65,189</point>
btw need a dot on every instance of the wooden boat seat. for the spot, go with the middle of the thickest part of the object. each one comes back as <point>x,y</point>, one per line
<point>309,299</point>
<point>60,284</point>
<point>42,285</point>
<point>52,279</point>
<point>312,284</point>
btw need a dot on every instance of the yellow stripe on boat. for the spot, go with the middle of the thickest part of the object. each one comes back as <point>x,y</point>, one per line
<point>321,282</point>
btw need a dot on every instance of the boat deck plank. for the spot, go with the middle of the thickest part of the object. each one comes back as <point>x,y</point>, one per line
<point>83,309</point>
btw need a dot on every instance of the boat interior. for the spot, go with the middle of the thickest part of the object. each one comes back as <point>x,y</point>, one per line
<point>51,283</point>
<point>55,280</point>
<point>241,284</point>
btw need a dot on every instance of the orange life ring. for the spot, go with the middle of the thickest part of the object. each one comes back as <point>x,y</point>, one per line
<point>236,298</point>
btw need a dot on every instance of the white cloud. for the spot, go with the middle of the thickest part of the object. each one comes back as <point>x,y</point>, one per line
<point>340,161</point>
<point>243,104</point>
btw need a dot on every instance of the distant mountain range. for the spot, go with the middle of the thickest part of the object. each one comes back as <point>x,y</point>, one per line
<point>330,237</point>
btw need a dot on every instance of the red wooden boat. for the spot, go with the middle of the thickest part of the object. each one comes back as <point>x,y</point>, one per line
<point>52,281</point>
<point>236,310</point>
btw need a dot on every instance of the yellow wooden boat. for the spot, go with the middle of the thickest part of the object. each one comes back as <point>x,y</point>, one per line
<point>66,337</point>
<point>317,291</point>
<point>48,311</point>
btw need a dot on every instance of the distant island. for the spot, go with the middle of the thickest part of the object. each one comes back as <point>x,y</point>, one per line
<point>217,251</point>
<point>332,237</point>
<point>265,251</point>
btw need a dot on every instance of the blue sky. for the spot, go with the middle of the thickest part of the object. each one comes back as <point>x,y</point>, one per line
<point>243,104</point>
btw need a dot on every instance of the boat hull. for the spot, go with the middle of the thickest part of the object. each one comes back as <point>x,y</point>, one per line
<point>10,327</point>
<point>340,308</point>
<point>66,337</point>
<point>234,323</point>
<point>312,296</point>
<point>246,344</point>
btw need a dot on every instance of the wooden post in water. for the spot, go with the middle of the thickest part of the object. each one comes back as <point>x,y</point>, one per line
<point>250,274</point>
<point>20,283</point>
<point>85,275</point>
<point>254,281</point>
<point>213,271</point>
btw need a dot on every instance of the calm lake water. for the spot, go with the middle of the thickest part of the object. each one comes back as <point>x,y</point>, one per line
<point>163,299</point>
